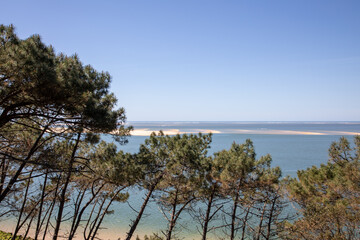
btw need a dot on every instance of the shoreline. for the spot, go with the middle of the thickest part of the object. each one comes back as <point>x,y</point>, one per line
<point>174,131</point>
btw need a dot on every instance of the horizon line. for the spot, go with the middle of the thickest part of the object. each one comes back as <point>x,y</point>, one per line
<point>244,122</point>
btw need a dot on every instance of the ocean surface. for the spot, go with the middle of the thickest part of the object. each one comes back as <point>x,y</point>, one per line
<point>293,146</point>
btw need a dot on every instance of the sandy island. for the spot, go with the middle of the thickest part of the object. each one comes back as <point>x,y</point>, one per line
<point>147,132</point>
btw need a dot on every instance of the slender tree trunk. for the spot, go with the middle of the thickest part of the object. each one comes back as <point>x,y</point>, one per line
<point>4,168</point>
<point>52,205</point>
<point>38,225</point>
<point>270,218</point>
<point>245,223</point>
<point>172,221</point>
<point>177,214</point>
<point>207,216</point>
<point>78,202</point>
<point>261,220</point>
<point>18,224</point>
<point>28,227</point>
<point>31,216</point>
<point>89,220</point>
<point>233,216</point>
<point>63,193</point>
<point>93,224</point>
<point>104,213</point>
<point>78,219</point>
<point>137,220</point>
<point>13,180</point>
<point>48,211</point>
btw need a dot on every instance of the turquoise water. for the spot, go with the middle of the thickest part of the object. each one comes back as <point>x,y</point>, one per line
<point>231,127</point>
<point>290,152</point>
<point>293,146</point>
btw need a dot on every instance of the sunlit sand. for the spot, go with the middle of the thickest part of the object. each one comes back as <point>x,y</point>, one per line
<point>291,132</point>
<point>147,132</point>
<point>277,132</point>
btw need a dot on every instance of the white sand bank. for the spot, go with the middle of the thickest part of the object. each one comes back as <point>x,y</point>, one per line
<point>147,132</point>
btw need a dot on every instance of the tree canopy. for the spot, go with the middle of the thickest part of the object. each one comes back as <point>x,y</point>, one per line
<point>55,167</point>
<point>37,82</point>
<point>329,196</point>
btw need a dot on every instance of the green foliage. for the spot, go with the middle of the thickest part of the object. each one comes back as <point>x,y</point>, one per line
<point>171,156</point>
<point>116,166</point>
<point>328,196</point>
<point>237,168</point>
<point>35,82</point>
<point>52,110</point>
<point>7,236</point>
<point>174,164</point>
<point>253,187</point>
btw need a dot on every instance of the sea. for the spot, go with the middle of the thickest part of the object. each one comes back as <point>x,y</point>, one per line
<point>293,146</point>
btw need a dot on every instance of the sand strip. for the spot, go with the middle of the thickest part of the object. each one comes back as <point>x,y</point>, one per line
<point>147,132</point>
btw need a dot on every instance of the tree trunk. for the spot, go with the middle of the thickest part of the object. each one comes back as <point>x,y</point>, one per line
<point>93,224</point>
<point>51,208</point>
<point>28,227</point>
<point>245,222</point>
<point>4,169</point>
<point>270,217</point>
<point>89,220</point>
<point>63,193</point>
<point>233,216</point>
<point>137,220</point>
<point>261,220</point>
<point>13,180</point>
<point>38,225</point>
<point>77,204</point>
<point>172,221</point>
<point>176,214</point>
<point>18,224</point>
<point>79,215</point>
<point>104,213</point>
<point>207,216</point>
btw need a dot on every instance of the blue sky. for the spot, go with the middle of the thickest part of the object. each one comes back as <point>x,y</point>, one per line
<point>211,60</point>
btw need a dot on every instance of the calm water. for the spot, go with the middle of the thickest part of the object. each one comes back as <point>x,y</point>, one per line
<point>231,127</point>
<point>290,152</point>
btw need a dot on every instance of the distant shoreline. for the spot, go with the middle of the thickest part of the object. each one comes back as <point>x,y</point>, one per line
<point>147,132</point>
<point>251,122</point>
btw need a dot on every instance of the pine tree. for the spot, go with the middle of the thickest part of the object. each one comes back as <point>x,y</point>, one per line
<point>328,196</point>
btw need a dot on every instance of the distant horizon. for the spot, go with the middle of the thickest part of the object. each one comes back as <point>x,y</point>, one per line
<point>239,121</point>
<point>145,128</point>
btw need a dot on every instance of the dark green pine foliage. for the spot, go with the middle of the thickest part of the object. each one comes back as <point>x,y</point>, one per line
<point>210,198</point>
<point>51,100</point>
<point>247,182</point>
<point>178,188</point>
<point>328,196</point>
<point>27,74</point>
<point>170,168</point>
<point>49,93</point>
<point>34,81</point>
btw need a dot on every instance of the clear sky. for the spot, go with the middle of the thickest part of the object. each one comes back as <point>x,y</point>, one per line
<point>211,60</point>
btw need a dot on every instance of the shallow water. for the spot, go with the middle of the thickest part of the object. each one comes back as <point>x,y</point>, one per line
<point>289,152</point>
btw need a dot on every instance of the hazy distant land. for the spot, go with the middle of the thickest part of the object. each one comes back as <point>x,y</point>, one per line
<point>273,128</point>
